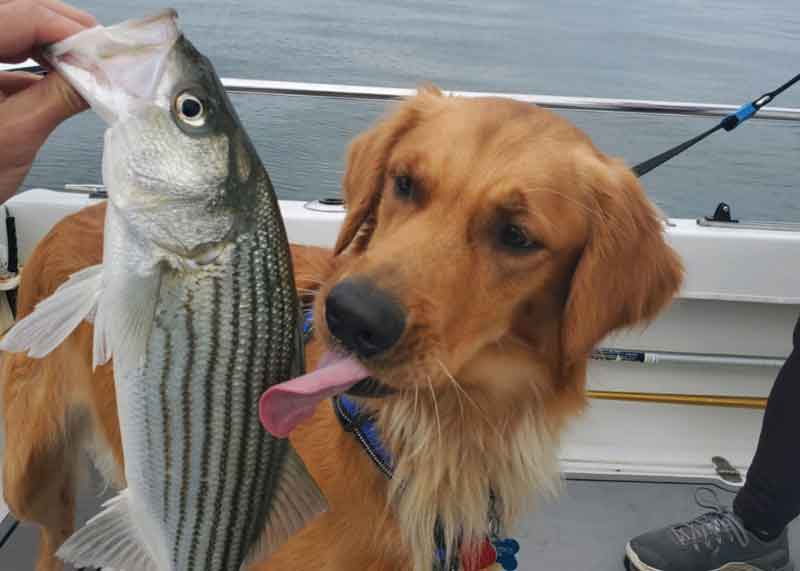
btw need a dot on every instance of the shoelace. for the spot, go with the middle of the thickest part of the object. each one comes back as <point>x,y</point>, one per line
<point>711,527</point>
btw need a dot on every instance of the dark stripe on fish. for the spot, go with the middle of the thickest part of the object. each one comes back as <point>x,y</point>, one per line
<point>186,418</point>
<point>232,549</point>
<point>284,307</point>
<point>262,459</point>
<point>271,451</point>
<point>227,413</point>
<point>208,386</point>
<point>165,419</point>
<point>148,436</point>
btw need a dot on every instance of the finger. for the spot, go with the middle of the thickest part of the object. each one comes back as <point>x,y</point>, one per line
<point>15,58</point>
<point>11,178</point>
<point>12,82</point>
<point>62,8</point>
<point>70,12</point>
<point>30,116</point>
<point>27,25</point>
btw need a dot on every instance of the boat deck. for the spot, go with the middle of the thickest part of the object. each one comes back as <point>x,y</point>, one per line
<point>587,528</point>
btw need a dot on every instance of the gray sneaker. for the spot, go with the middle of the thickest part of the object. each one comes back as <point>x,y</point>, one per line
<point>714,541</point>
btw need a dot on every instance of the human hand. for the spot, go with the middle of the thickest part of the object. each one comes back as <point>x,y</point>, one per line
<point>32,106</point>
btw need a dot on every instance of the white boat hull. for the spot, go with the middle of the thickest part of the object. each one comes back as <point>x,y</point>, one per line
<point>725,336</point>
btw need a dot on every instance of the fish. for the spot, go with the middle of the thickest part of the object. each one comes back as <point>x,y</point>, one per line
<point>194,301</point>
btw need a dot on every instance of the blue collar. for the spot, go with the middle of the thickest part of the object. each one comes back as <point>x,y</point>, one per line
<point>351,418</point>
<point>363,428</point>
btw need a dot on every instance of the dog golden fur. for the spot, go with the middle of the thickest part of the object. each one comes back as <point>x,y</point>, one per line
<point>513,246</point>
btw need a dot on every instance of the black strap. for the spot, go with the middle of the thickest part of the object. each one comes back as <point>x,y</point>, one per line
<point>362,427</point>
<point>7,527</point>
<point>13,261</point>
<point>349,422</point>
<point>729,123</point>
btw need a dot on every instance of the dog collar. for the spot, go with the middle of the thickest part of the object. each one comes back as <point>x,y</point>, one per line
<point>494,549</point>
<point>361,425</point>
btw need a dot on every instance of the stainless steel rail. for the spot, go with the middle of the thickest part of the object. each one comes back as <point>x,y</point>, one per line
<point>251,86</point>
<point>372,93</point>
<point>663,358</point>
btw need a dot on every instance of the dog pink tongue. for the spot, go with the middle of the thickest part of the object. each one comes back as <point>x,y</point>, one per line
<point>287,404</point>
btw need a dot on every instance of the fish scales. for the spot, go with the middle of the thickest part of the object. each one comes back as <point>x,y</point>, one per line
<point>206,396</point>
<point>195,301</point>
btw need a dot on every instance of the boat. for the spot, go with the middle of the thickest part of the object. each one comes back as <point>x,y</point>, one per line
<point>674,405</point>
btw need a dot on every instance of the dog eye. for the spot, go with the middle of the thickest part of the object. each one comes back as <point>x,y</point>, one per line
<point>403,186</point>
<point>514,237</point>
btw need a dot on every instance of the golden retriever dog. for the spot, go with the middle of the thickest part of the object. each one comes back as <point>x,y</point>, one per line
<point>488,246</point>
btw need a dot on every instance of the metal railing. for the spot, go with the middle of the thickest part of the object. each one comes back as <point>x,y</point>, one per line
<point>373,93</point>
<point>329,90</point>
<point>370,93</point>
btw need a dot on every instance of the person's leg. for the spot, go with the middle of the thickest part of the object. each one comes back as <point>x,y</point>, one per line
<point>755,531</point>
<point>770,498</point>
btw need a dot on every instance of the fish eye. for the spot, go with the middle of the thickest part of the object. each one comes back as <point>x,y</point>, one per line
<point>190,109</point>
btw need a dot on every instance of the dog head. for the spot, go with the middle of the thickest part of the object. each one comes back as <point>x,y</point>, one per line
<point>488,239</point>
<point>487,248</point>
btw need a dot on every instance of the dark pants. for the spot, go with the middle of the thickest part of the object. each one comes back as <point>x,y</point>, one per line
<point>770,498</point>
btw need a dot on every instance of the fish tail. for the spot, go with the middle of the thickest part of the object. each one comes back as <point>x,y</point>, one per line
<point>296,502</point>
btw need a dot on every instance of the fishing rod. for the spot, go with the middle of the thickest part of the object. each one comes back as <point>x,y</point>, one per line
<point>729,123</point>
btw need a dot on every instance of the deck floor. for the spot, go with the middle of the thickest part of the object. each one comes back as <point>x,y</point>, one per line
<point>587,528</point>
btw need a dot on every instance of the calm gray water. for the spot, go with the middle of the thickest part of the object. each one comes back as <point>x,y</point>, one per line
<point>711,51</point>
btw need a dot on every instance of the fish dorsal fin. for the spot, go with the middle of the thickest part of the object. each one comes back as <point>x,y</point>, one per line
<point>109,539</point>
<point>55,317</point>
<point>124,318</point>
<point>296,502</point>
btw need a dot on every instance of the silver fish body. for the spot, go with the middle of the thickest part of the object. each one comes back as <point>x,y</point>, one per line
<point>203,466</point>
<point>195,301</point>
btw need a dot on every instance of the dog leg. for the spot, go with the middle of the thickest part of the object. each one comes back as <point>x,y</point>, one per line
<point>45,495</point>
<point>332,543</point>
<point>58,527</point>
<point>40,458</point>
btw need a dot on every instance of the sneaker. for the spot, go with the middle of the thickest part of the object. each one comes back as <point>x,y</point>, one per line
<point>714,541</point>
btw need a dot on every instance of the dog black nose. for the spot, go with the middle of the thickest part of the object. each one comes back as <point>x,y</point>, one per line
<point>364,318</point>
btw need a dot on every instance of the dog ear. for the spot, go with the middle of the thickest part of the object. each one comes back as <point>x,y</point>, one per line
<point>366,161</point>
<point>312,266</point>
<point>627,272</point>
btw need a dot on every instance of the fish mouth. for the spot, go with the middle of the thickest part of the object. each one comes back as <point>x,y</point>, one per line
<point>117,69</point>
<point>285,405</point>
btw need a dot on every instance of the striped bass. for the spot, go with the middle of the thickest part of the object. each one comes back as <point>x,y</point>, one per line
<point>194,301</point>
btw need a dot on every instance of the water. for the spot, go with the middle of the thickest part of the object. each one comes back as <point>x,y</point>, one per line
<point>711,51</point>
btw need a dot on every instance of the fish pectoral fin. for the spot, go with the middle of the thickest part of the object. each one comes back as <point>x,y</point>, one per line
<point>109,539</point>
<point>296,502</point>
<point>124,319</point>
<point>55,317</point>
